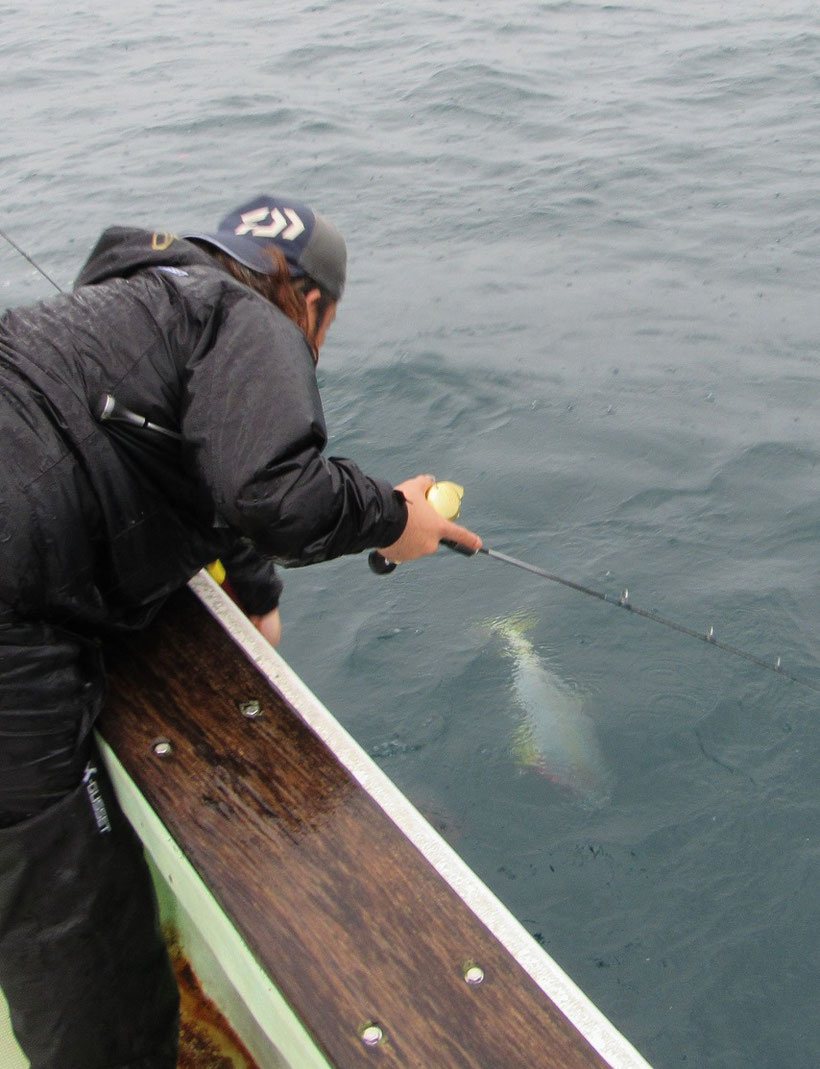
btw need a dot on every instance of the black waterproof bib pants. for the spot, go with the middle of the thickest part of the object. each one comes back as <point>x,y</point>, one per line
<point>82,961</point>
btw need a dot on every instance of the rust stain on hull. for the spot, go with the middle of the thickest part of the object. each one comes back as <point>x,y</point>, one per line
<point>206,1039</point>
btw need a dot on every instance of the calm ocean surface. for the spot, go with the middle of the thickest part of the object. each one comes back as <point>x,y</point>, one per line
<point>584,244</point>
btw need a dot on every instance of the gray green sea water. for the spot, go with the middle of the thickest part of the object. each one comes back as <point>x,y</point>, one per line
<point>583,242</point>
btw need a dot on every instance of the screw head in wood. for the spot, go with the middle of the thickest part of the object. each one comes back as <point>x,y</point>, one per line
<point>371,1034</point>
<point>162,747</point>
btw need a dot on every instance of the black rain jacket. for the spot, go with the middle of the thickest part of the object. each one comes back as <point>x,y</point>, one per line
<point>99,520</point>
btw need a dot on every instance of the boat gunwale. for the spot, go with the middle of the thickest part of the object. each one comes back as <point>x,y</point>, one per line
<point>553,981</point>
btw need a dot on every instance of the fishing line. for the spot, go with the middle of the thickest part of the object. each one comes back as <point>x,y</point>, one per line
<point>445,497</point>
<point>33,263</point>
<point>623,602</point>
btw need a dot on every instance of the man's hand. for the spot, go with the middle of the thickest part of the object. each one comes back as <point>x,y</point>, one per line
<point>425,528</point>
<point>269,625</point>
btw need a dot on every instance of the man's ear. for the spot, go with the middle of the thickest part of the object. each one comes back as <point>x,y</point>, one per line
<point>318,328</point>
<point>311,300</point>
<point>312,296</point>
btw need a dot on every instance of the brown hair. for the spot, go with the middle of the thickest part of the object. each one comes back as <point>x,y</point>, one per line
<point>277,287</point>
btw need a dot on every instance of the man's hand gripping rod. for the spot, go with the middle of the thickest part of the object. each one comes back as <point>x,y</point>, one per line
<point>446,500</point>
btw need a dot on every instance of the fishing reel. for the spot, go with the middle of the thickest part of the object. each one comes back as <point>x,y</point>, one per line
<point>445,498</point>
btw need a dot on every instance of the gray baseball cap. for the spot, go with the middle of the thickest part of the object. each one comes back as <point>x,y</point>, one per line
<point>310,243</point>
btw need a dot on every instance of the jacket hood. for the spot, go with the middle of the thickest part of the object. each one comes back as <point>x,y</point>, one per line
<point>123,250</point>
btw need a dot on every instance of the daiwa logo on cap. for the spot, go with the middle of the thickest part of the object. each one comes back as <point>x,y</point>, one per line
<point>271,223</point>
<point>311,244</point>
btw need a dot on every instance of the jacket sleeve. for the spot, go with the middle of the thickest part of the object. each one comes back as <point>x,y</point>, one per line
<point>254,433</point>
<point>253,578</point>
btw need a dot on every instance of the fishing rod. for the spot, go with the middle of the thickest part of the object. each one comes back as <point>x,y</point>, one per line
<point>446,500</point>
<point>33,263</point>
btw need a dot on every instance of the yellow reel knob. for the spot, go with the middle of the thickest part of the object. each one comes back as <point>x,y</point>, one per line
<point>446,499</point>
<point>217,570</point>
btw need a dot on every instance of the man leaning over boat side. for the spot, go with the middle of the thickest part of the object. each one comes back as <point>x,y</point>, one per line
<point>163,414</point>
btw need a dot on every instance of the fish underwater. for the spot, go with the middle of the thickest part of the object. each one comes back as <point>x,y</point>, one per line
<point>556,737</point>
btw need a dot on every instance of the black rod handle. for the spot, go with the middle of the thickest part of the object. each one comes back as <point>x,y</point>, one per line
<point>379,564</point>
<point>458,547</point>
